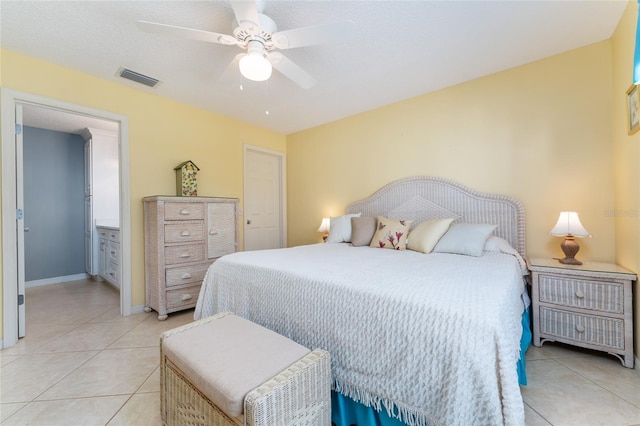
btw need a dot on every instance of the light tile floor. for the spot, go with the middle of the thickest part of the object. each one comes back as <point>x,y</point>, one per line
<point>83,364</point>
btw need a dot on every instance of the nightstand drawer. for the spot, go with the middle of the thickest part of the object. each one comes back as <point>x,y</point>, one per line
<point>581,293</point>
<point>591,329</point>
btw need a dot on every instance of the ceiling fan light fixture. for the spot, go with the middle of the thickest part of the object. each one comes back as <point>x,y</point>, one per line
<point>255,67</point>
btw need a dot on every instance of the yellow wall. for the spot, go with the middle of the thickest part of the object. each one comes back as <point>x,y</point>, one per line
<point>540,133</point>
<point>626,152</point>
<point>162,134</point>
<point>551,133</point>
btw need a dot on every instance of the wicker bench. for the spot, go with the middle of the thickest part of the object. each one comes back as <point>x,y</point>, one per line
<point>225,370</point>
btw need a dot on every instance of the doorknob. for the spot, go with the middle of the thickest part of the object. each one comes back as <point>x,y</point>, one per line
<point>26,229</point>
<point>248,222</point>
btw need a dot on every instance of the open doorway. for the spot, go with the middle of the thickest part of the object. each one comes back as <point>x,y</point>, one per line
<point>18,110</point>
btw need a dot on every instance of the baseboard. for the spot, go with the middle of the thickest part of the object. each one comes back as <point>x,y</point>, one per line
<point>637,364</point>
<point>55,280</point>
<point>137,309</point>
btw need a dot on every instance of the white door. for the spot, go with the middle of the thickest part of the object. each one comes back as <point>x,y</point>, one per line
<point>263,200</point>
<point>20,222</point>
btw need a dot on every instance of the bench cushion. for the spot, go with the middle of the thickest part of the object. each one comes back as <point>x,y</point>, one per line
<point>228,357</point>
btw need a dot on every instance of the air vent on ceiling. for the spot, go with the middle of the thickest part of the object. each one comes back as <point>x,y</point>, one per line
<point>137,77</point>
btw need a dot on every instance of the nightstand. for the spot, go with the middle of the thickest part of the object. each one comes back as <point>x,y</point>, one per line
<point>589,305</point>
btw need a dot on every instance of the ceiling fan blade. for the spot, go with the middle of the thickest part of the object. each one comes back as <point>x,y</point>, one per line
<point>291,70</point>
<point>245,11</point>
<point>230,73</point>
<point>313,35</point>
<point>189,33</point>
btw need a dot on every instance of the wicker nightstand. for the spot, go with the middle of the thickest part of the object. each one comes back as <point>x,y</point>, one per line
<point>588,305</point>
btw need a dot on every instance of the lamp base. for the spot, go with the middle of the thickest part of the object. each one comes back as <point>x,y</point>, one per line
<point>570,261</point>
<point>570,248</point>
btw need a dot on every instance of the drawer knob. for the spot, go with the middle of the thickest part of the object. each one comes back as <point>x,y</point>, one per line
<point>185,233</point>
<point>579,294</point>
<point>579,328</point>
<point>185,212</point>
<point>186,296</point>
<point>186,276</point>
<point>185,255</point>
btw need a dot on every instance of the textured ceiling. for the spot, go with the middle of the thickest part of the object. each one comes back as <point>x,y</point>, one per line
<point>400,49</point>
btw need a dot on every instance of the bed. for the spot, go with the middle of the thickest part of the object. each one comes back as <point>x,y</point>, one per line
<point>422,339</point>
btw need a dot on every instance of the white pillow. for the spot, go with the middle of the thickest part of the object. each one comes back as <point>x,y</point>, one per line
<point>425,236</point>
<point>500,245</point>
<point>464,238</point>
<point>340,228</point>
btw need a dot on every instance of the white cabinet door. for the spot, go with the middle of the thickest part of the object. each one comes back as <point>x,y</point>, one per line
<point>87,168</point>
<point>102,258</point>
<point>89,253</point>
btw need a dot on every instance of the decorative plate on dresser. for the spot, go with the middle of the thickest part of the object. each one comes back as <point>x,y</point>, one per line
<point>183,237</point>
<point>589,305</point>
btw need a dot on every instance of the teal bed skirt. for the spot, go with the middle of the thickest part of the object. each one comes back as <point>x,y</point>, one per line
<point>347,412</point>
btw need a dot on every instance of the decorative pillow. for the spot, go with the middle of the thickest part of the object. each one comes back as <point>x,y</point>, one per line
<point>362,230</point>
<point>391,233</point>
<point>464,238</point>
<point>340,228</point>
<point>425,236</point>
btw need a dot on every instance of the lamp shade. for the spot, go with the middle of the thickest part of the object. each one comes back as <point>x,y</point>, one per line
<point>569,224</point>
<point>324,226</point>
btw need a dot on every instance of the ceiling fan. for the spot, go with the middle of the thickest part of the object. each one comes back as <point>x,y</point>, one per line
<point>258,35</point>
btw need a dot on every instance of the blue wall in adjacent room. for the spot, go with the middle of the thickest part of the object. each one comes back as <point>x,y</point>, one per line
<point>53,204</point>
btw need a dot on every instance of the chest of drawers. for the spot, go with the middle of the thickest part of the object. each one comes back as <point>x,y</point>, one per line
<point>588,305</point>
<point>183,237</point>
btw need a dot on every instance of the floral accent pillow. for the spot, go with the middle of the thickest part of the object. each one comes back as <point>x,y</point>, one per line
<point>391,233</point>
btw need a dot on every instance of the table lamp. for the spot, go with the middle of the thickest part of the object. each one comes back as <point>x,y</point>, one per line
<point>569,227</point>
<point>324,228</point>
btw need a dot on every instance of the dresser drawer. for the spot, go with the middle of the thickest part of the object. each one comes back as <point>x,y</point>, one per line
<point>582,293</point>
<point>177,232</point>
<point>183,211</point>
<point>184,254</point>
<point>113,251</point>
<point>113,273</point>
<point>109,234</point>
<point>183,297</point>
<point>592,329</point>
<point>186,274</point>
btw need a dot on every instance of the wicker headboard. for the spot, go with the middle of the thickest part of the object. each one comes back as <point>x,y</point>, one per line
<point>423,197</point>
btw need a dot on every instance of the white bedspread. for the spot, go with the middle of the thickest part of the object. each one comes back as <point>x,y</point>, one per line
<point>434,338</point>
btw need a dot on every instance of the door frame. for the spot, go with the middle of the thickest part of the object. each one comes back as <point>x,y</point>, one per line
<point>8,100</point>
<point>282,165</point>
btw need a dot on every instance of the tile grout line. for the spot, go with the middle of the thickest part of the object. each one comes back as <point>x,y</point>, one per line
<point>600,386</point>
<point>541,416</point>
